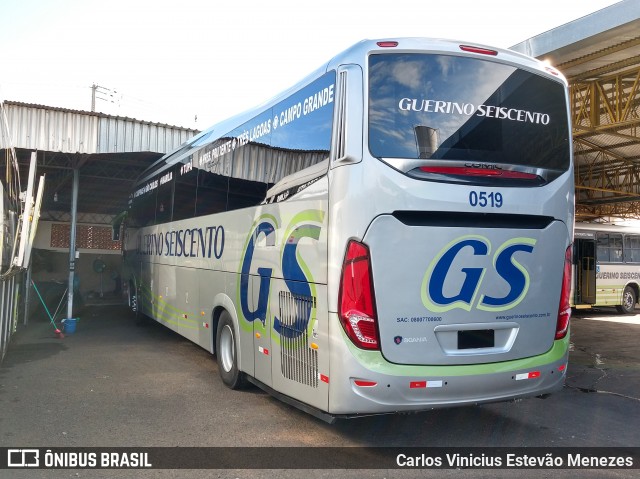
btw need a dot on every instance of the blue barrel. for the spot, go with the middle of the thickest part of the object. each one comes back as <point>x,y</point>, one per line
<point>70,325</point>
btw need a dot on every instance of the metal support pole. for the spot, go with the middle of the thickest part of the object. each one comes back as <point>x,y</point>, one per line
<point>72,240</point>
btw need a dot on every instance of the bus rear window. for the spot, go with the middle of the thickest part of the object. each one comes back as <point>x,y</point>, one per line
<point>445,107</point>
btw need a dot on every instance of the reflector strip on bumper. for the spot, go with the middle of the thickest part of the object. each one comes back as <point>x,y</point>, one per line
<point>530,375</point>
<point>425,384</point>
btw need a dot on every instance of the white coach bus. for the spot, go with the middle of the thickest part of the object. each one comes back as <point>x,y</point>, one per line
<point>606,262</point>
<point>393,233</point>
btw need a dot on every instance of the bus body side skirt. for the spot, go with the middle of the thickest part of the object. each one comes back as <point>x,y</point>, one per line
<point>325,416</point>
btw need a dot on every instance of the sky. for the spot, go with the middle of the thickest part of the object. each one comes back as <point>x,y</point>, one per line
<point>193,63</point>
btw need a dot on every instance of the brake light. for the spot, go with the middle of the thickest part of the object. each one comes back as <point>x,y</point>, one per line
<point>564,309</point>
<point>483,51</point>
<point>466,171</point>
<point>357,301</point>
<point>387,44</point>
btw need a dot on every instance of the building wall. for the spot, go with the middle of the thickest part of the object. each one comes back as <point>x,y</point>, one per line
<point>50,258</point>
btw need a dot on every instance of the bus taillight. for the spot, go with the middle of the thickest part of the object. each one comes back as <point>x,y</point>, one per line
<point>564,309</point>
<point>357,301</point>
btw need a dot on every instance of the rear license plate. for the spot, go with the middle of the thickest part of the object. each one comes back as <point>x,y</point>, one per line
<point>476,339</point>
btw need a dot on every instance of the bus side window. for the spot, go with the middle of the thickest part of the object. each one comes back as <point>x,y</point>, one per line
<point>244,193</point>
<point>212,193</point>
<point>306,141</point>
<point>632,248</point>
<point>143,209</point>
<point>615,244</point>
<point>248,182</point>
<point>609,247</point>
<point>184,194</point>
<point>164,200</point>
<point>603,247</point>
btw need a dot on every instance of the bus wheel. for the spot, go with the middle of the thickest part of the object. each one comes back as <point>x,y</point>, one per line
<point>628,305</point>
<point>226,350</point>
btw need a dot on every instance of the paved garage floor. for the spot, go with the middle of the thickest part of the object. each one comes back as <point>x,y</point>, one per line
<point>114,383</point>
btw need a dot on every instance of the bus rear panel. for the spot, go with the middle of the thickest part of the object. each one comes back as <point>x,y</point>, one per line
<point>464,203</point>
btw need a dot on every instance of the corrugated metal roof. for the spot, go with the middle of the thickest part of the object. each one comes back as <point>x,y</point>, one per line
<point>44,128</point>
<point>119,135</point>
<point>109,152</point>
<point>586,37</point>
<point>600,56</point>
<point>36,127</point>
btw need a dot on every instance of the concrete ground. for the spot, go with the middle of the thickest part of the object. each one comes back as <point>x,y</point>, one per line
<point>117,384</point>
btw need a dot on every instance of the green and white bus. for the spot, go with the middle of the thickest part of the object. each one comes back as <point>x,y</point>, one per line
<point>606,262</point>
<point>391,234</point>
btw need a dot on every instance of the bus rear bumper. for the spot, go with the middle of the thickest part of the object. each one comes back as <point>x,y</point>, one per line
<point>374,386</point>
<point>419,393</point>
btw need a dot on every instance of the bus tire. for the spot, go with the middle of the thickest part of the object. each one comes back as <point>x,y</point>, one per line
<point>629,299</point>
<point>226,351</point>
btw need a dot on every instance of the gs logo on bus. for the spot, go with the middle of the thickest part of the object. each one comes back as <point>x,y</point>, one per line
<point>297,275</point>
<point>449,283</point>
